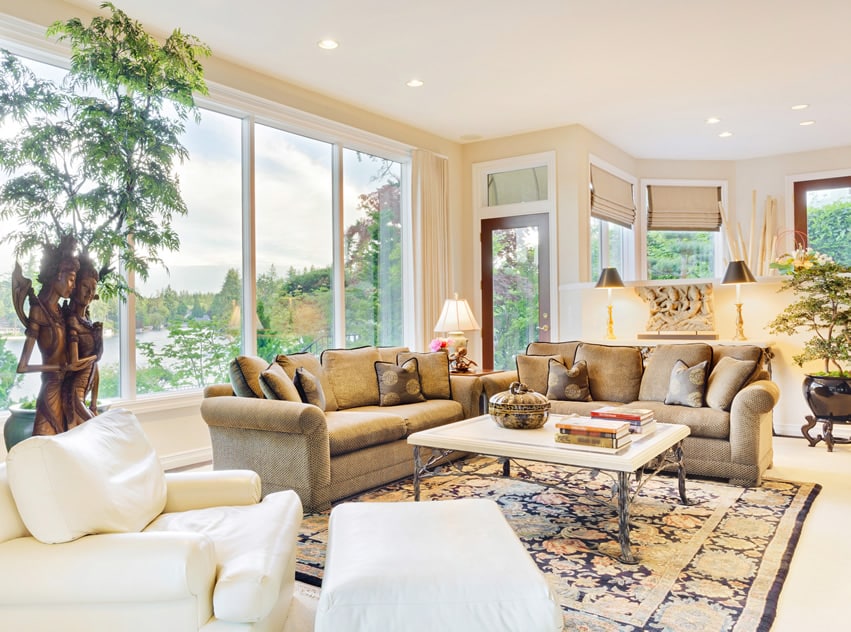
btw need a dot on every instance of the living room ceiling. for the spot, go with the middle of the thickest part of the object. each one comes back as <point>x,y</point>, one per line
<point>644,75</point>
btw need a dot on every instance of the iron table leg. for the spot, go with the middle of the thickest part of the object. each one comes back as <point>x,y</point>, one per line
<point>623,519</point>
<point>418,464</point>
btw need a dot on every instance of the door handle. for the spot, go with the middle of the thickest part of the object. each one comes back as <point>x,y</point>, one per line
<point>544,328</point>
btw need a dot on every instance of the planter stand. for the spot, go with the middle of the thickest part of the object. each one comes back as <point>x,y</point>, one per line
<point>827,432</point>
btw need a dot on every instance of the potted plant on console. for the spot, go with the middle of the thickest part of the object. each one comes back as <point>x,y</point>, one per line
<point>822,306</point>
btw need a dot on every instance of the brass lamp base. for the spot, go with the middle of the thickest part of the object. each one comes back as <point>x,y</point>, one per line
<point>610,329</point>
<point>740,324</point>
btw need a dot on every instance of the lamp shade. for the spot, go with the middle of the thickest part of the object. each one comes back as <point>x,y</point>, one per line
<point>738,272</point>
<point>609,277</point>
<point>456,316</point>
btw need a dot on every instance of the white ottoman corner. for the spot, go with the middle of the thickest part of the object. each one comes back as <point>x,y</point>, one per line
<point>440,565</point>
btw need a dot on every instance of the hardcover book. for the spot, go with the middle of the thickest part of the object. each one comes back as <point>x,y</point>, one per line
<point>622,412</point>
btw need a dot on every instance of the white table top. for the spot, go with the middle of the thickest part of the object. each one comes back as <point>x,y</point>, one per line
<point>481,435</point>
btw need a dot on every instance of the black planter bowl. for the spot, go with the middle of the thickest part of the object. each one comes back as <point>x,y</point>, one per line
<point>828,397</point>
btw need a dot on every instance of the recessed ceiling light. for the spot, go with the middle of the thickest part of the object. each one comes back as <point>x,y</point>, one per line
<point>713,120</point>
<point>327,44</point>
<point>725,134</point>
<point>414,83</point>
<point>801,106</point>
<point>807,123</point>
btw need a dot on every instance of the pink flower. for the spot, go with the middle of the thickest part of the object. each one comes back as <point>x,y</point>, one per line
<point>438,343</point>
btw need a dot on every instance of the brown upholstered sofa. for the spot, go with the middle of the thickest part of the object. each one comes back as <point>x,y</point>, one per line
<point>730,414</point>
<point>343,443</point>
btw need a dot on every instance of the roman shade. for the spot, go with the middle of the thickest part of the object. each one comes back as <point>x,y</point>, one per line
<point>683,207</point>
<point>611,198</point>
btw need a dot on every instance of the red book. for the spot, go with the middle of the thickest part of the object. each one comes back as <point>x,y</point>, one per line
<point>586,424</point>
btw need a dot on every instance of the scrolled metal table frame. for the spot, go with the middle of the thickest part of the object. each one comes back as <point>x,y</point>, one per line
<point>622,486</point>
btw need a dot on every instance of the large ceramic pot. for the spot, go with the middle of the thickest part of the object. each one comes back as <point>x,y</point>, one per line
<point>19,425</point>
<point>519,408</point>
<point>828,397</point>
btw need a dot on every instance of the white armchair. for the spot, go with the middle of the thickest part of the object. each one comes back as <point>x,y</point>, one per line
<point>215,557</point>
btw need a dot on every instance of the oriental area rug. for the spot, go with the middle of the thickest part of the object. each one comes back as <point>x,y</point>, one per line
<point>717,564</point>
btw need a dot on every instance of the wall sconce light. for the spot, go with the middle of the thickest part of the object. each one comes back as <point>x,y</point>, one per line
<point>738,273</point>
<point>609,278</point>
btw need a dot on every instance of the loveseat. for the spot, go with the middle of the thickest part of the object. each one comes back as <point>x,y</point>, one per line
<point>723,393</point>
<point>95,536</point>
<point>332,426</point>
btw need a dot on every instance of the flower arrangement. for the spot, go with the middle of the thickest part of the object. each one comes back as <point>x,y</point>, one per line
<point>822,305</point>
<point>439,344</point>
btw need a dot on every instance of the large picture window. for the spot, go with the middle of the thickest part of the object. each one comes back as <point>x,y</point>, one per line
<point>186,322</point>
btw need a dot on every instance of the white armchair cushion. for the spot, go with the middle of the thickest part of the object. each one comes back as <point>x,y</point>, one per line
<point>255,551</point>
<point>100,477</point>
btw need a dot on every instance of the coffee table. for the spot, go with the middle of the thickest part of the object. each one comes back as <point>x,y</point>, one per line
<point>481,435</point>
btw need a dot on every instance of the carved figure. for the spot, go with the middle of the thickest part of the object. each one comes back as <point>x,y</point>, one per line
<point>459,362</point>
<point>45,327</point>
<point>679,308</point>
<point>85,347</point>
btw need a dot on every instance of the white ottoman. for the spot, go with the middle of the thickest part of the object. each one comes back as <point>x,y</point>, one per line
<point>440,565</point>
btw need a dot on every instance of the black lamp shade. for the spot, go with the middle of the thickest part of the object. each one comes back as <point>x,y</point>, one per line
<point>738,272</point>
<point>609,277</point>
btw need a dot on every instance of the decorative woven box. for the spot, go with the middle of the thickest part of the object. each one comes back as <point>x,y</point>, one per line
<point>518,408</point>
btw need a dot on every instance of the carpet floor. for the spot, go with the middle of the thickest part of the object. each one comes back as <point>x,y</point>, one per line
<point>717,564</point>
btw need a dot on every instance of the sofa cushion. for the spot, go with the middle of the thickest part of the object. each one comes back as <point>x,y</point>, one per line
<point>434,372</point>
<point>244,372</point>
<point>740,352</point>
<point>567,350</point>
<point>534,371</point>
<point>614,373</point>
<point>389,354</point>
<point>309,388</point>
<point>254,545</point>
<point>705,422</point>
<point>422,415</point>
<point>352,374</point>
<point>568,384</point>
<point>102,476</point>
<point>276,384</point>
<point>310,362</point>
<point>657,372</point>
<point>687,384</point>
<point>726,379</point>
<point>398,384</point>
<point>352,430</point>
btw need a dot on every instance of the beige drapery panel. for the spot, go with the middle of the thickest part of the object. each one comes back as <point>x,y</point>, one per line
<point>611,198</point>
<point>430,191</point>
<point>683,208</point>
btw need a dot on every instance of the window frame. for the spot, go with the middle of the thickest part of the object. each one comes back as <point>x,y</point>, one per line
<point>719,247</point>
<point>28,40</point>
<point>629,247</point>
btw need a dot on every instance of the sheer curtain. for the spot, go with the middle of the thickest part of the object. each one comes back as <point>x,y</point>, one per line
<point>430,191</point>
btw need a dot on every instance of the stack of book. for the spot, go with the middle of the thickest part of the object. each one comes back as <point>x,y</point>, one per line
<point>641,420</point>
<point>599,435</point>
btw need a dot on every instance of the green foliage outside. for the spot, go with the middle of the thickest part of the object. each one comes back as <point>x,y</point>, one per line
<point>9,377</point>
<point>515,279</point>
<point>829,230</point>
<point>680,255</point>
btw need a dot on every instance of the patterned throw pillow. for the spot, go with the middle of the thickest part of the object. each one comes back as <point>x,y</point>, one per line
<point>309,388</point>
<point>533,371</point>
<point>276,384</point>
<point>434,372</point>
<point>568,384</point>
<point>398,384</point>
<point>687,384</point>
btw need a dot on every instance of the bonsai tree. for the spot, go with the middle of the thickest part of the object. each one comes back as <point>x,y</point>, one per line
<point>92,182</point>
<point>822,305</point>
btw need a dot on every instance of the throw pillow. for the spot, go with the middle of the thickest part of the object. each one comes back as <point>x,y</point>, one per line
<point>102,476</point>
<point>310,362</point>
<point>534,371</point>
<point>568,384</point>
<point>657,372</point>
<point>309,388</point>
<point>398,384</point>
<point>244,372</point>
<point>434,372</point>
<point>352,374</point>
<point>726,379</point>
<point>687,384</point>
<point>614,372</point>
<point>276,384</point>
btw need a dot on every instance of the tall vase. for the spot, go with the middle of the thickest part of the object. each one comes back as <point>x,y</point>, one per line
<point>19,425</point>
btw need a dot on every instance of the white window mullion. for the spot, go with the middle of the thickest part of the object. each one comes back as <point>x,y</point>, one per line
<point>249,254</point>
<point>338,271</point>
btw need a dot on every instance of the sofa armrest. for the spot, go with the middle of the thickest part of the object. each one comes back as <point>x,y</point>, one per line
<point>751,421</point>
<point>111,568</point>
<point>262,414</point>
<point>467,391</point>
<point>199,490</point>
<point>497,382</point>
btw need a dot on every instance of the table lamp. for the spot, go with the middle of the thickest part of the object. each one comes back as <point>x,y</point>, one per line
<point>738,273</point>
<point>455,319</point>
<point>609,278</point>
